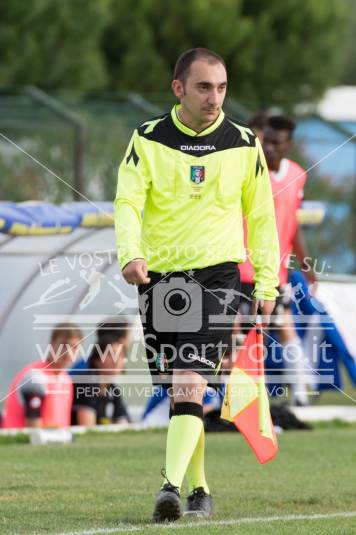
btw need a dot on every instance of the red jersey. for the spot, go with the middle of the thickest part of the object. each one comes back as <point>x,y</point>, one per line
<point>57,400</point>
<point>287,188</point>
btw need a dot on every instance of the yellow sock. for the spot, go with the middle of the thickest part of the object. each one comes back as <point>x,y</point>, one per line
<point>183,434</point>
<point>195,471</point>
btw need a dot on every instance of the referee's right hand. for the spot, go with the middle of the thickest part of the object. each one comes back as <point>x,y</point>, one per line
<point>264,307</point>
<point>135,272</point>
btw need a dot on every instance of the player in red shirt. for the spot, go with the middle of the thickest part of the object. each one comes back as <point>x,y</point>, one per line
<point>287,180</point>
<point>41,394</point>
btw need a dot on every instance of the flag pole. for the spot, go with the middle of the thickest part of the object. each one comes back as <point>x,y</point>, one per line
<point>263,405</point>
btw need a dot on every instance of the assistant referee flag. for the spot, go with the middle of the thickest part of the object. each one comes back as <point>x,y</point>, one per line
<point>246,402</point>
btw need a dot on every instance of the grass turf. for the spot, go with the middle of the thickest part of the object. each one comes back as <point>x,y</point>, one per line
<point>107,480</point>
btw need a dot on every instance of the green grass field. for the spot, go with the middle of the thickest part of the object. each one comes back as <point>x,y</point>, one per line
<point>106,483</point>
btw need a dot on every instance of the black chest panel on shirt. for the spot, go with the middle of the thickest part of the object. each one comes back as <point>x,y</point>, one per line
<point>225,136</point>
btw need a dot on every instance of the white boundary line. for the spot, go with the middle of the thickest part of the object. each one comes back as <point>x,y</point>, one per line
<point>236,522</point>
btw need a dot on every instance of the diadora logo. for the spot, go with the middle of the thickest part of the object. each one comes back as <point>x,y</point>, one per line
<point>197,147</point>
<point>203,360</point>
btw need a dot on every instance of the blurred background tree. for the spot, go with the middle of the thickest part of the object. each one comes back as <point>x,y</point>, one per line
<point>53,44</point>
<point>348,74</point>
<point>277,52</point>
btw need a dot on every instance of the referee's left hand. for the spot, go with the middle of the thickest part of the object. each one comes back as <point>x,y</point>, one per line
<point>264,307</point>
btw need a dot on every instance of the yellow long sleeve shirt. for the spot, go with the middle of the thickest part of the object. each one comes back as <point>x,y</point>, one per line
<point>181,194</point>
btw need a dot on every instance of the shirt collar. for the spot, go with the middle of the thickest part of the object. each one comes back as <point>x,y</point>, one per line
<point>281,174</point>
<point>189,131</point>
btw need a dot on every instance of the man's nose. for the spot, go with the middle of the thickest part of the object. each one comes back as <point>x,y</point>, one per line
<point>213,97</point>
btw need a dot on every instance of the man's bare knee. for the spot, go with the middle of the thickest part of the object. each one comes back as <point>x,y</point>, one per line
<point>188,386</point>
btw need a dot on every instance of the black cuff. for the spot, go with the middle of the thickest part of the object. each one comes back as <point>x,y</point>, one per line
<point>194,409</point>
<point>33,405</point>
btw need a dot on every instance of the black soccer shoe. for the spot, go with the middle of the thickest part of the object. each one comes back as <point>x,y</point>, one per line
<point>199,503</point>
<point>168,505</point>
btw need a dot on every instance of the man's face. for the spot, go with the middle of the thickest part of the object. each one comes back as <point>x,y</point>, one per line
<point>64,352</point>
<point>203,92</point>
<point>276,144</point>
<point>115,356</point>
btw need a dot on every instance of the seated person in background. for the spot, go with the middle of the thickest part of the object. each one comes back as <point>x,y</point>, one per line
<point>98,399</point>
<point>41,394</point>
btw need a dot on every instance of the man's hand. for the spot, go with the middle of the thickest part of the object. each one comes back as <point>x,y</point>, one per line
<point>264,307</point>
<point>135,272</point>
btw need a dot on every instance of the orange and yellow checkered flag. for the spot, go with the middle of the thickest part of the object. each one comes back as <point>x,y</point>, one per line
<point>246,402</point>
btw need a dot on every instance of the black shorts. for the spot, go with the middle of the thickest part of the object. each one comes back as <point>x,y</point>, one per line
<point>282,302</point>
<point>187,319</point>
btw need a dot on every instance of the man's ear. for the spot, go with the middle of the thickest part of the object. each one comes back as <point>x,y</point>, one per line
<point>177,88</point>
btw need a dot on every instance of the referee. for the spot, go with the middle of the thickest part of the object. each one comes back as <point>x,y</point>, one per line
<point>185,180</point>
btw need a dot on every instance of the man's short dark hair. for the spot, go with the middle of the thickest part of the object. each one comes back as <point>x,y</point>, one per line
<point>112,330</point>
<point>182,66</point>
<point>281,122</point>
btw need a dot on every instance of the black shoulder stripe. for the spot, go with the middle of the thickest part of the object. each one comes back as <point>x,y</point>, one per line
<point>259,166</point>
<point>246,132</point>
<point>150,124</point>
<point>133,155</point>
